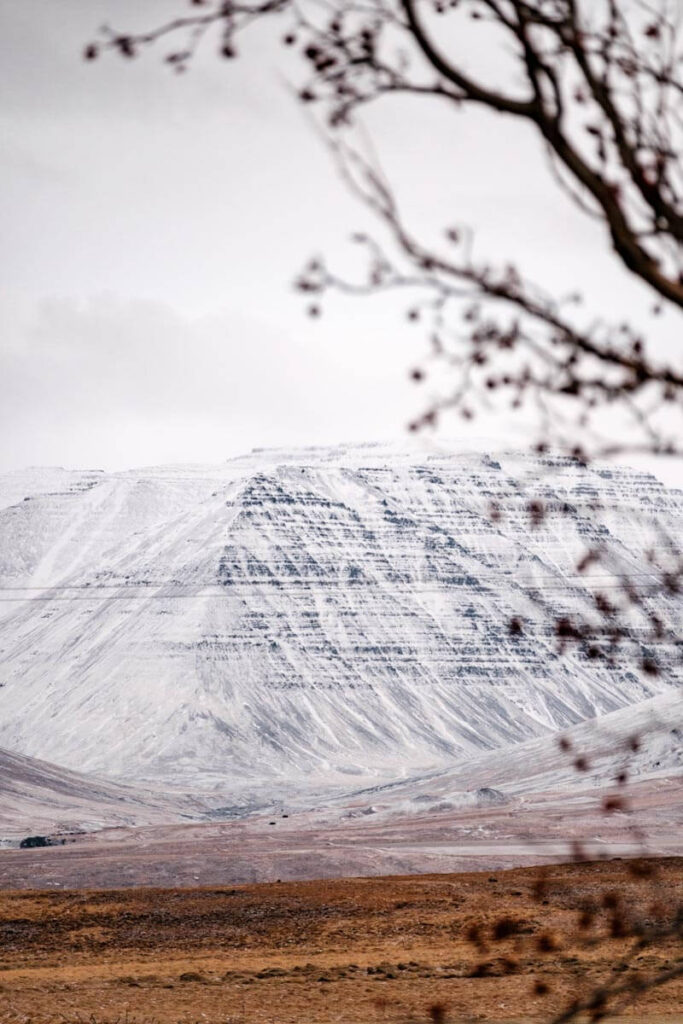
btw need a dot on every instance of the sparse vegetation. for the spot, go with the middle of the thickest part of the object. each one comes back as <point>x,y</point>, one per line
<point>517,945</point>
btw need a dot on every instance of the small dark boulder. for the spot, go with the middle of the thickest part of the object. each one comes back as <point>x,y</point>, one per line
<point>486,796</point>
<point>31,842</point>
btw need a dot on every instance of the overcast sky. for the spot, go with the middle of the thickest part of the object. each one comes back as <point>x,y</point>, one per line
<point>152,225</point>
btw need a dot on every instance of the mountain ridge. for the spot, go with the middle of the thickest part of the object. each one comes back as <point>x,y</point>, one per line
<point>290,615</point>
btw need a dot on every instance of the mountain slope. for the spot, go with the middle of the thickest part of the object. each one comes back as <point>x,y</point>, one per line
<point>37,797</point>
<point>330,610</point>
<point>605,747</point>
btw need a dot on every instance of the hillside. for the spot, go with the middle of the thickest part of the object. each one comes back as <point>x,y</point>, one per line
<point>41,798</point>
<point>339,613</point>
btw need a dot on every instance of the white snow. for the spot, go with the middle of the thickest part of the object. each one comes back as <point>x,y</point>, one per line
<point>331,614</point>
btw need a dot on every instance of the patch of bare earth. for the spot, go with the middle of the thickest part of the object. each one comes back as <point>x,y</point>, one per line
<point>393,949</point>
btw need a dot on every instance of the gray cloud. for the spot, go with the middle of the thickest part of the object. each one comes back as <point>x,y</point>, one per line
<point>152,224</point>
<point>135,381</point>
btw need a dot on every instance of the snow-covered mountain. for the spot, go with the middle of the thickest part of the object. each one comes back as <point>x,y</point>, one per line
<point>299,614</point>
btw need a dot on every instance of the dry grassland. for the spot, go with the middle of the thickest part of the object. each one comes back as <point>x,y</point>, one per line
<point>391,949</point>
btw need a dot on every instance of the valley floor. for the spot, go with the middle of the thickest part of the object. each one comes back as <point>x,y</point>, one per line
<point>386,949</point>
<point>377,832</point>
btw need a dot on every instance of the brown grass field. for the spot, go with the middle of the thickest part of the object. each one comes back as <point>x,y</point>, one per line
<point>388,949</point>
